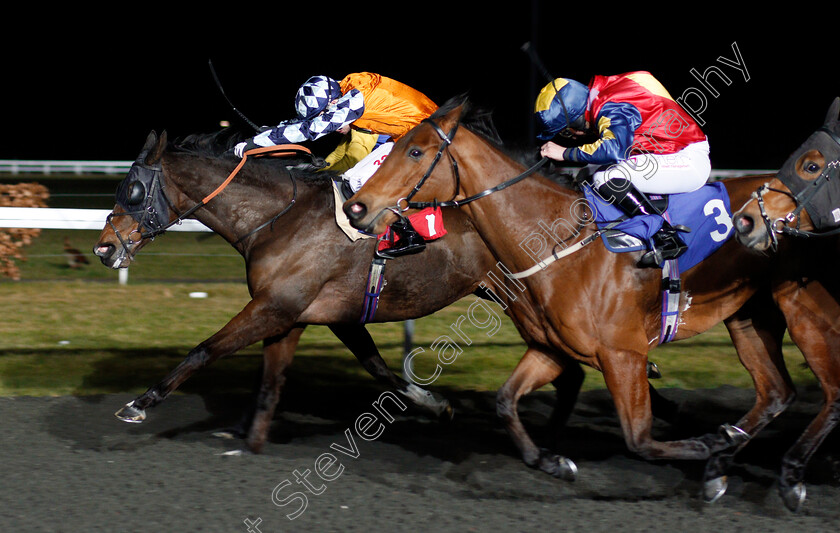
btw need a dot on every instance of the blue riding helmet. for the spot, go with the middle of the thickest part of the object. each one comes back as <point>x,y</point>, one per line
<point>315,95</point>
<point>560,104</point>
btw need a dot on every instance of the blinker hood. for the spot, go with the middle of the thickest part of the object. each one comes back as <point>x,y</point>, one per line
<point>141,195</point>
<point>820,197</point>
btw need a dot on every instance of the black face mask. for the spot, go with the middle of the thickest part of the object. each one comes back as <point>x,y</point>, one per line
<point>821,196</point>
<point>141,195</point>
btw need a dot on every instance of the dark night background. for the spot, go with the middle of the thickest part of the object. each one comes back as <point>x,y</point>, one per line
<point>84,90</point>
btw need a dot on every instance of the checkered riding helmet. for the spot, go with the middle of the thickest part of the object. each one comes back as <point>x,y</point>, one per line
<point>560,104</point>
<point>315,95</point>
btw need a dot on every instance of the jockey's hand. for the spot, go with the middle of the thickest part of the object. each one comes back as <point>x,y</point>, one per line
<point>243,147</point>
<point>552,151</point>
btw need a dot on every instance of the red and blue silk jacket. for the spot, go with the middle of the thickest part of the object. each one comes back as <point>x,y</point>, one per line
<point>633,114</point>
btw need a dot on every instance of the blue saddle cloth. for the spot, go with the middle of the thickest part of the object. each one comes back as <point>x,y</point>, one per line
<point>705,211</point>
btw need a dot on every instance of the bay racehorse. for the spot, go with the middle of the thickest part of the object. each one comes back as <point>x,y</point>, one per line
<point>594,306</point>
<point>798,213</point>
<point>803,200</point>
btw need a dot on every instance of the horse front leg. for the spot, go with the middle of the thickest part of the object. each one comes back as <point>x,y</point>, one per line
<point>625,374</point>
<point>756,330</point>
<point>813,317</point>
<point>358,340</point>
<point>278,353</point>
<point>535,369</point>
<point>253,324</point>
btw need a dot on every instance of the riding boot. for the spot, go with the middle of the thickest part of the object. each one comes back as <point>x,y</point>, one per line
<point>666,243</point>
<point>410,242</point>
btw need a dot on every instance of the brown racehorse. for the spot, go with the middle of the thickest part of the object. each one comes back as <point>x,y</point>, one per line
<point>301,269</point>
<point>593,306</point>
<point>794,213</point>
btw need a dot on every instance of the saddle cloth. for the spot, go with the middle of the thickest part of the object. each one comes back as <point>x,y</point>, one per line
<point>427,222</point>
<point>705,211</point>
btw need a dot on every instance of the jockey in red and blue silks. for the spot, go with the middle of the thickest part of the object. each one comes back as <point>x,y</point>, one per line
<point>644,143</point>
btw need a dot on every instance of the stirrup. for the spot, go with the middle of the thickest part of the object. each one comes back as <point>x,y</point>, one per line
<point>666,245</point>
<point>410,241</point>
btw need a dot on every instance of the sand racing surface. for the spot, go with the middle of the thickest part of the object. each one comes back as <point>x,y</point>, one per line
<point>68,465</point>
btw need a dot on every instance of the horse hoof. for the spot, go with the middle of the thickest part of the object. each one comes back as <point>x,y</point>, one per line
<point>129,413</point>
<point>447,414</point>
<point>713,489</point>
<point>235,453</point>
<point>793,496</point>
<point>558,466</point>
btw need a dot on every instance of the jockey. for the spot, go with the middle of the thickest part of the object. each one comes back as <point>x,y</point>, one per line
<point>643,143</point>
<point>368,102</point>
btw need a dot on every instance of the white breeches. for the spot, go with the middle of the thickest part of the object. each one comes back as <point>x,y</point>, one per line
<point>364,169</point>
<point>684,171</point>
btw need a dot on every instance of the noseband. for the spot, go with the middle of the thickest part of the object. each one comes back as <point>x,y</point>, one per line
<point>405,203</point>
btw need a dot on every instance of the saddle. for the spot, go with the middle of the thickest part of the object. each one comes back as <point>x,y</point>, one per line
<point>706,211</point>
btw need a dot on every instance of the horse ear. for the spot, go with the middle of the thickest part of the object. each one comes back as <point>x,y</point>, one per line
<point>831,118</point>
<point>157,148</point>
<point>459,106</point>
<point>151,140</point>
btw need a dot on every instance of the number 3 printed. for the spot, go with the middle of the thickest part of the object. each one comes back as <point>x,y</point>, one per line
<point>721,218</point>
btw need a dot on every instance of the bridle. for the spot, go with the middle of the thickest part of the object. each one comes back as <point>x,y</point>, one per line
<point>405,203</point>
<point>153,196</point>
<point>782,225</point>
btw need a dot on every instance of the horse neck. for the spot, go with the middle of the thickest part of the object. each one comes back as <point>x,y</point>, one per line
<point>238,208</point>
<point>507,219</point>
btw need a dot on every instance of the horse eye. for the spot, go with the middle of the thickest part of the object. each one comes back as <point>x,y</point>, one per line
<point>415,153</point>
<point>811,167</point>
<point>136,192</point>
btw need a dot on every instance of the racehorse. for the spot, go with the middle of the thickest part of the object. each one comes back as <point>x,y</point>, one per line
<point>301,268</point>
<point>795,213</point>
<point>593,306</point>
<point>804,191</point>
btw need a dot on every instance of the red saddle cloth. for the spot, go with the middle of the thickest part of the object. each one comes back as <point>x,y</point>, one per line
<point>427,222</point>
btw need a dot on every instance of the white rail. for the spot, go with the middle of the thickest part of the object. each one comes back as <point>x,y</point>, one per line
<point>54,218</point>
<point>8,166</point>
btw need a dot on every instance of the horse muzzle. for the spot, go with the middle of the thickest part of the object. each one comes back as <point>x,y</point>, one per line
<point>112,256</point>
<point>363,220</point>
<point>750,234</point>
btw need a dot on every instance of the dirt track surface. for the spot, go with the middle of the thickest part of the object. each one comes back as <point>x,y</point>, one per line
<point>69,465</point>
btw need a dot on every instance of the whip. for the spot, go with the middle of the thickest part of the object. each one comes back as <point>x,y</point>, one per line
<point>219,85</point>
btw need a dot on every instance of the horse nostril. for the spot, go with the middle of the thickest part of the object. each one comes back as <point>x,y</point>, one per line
<point>743,224</point>
<point>356,211</point>
<point>103,250</point>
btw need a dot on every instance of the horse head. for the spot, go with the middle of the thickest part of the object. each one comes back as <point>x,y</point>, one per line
<point>410,174</point>
<point>804,197</point>
<point>142,209</point>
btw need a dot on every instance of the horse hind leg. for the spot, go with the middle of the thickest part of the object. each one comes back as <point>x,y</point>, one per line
<point>358,340</point>
<point>534,370</point>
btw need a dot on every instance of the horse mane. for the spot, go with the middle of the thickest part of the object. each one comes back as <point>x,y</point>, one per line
<point>480,122</point>
<point>220,144</point>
